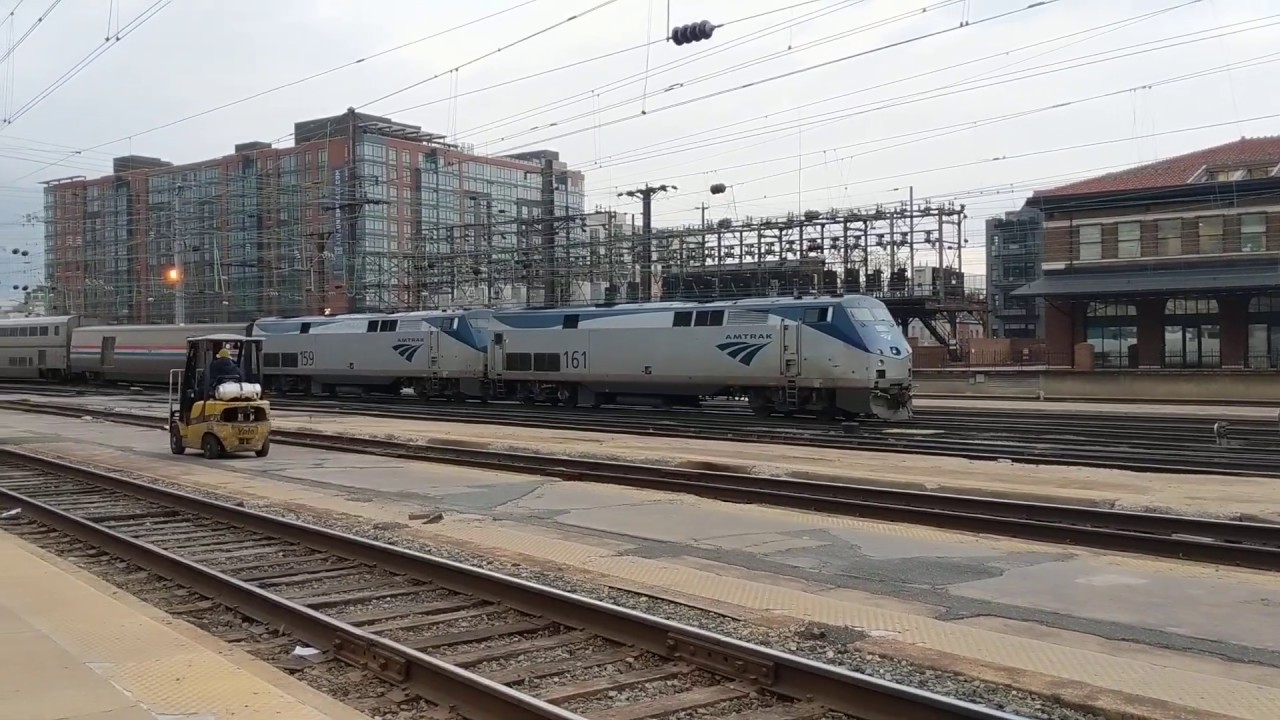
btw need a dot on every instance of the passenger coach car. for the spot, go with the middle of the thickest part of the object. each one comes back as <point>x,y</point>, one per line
<point>36,347</point>
<point>136,353</point>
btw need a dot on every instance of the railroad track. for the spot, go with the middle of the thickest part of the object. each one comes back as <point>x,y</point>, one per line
<point>1146,445</point>
<point>1143,444</point>
<point>468,640</point>
<point>1243,544</point>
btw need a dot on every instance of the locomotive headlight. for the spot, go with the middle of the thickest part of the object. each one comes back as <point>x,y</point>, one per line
<point>880,362</point>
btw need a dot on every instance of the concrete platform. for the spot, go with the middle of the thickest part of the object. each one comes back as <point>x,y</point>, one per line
<point>1199,495</point>
<point>73,648</point>
<point>1153,638</point>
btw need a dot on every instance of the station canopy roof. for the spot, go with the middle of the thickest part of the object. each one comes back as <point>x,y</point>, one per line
<point>1155,282</point>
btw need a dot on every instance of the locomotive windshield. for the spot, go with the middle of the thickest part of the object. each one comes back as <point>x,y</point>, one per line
<point>880,331</point>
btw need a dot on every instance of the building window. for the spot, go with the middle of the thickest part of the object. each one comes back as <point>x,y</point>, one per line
<point>1192,333</point>
<point>1129,244</point>
<point>1169,237</point>
<point>1090,240</point>
<point>1253,233</point>
<point>1263,349</point>
<point>1210,235</point>
<point>1112,329</point>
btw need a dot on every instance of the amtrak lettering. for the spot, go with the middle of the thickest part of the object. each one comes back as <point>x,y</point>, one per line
<point>750,336</point>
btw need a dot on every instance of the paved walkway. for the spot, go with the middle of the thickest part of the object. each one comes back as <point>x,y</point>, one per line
<point>73,648</point>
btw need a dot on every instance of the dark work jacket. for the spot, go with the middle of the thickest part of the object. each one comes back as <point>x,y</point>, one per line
<point>222,370</point>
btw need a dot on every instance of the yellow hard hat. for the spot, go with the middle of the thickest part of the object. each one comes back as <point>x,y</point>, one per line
<point>224,353</point>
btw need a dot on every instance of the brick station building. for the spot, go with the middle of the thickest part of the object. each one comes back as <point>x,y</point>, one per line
<point>1175,264</point>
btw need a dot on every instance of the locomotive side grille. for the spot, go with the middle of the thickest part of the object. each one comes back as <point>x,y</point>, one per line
<point>746,317</point>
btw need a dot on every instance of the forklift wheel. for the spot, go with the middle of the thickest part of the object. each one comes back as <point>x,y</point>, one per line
<point>212,448</point>
<point>176,445</point>
<point>262,451</point>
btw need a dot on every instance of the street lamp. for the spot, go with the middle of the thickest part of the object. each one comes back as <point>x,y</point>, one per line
<point>173,276</point>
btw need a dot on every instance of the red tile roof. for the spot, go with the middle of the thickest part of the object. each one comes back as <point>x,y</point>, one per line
<point>1177,170</point>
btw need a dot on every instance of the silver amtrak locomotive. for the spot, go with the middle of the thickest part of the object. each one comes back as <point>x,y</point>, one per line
<point>832,356</point>
<point>435,353</point>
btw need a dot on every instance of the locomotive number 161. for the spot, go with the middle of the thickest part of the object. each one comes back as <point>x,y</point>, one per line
<point>574,359</point>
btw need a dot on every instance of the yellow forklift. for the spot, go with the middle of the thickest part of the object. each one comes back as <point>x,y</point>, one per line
<point>225,414</point>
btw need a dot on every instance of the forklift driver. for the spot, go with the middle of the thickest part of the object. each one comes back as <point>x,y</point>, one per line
<point>223,369</point>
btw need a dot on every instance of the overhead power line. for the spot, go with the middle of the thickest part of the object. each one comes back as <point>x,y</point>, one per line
<point>672,144</point>
<point>491,53</point>
<point>22,38</point>
<point>947,90</point>
<point>94,54</point>
<point>793,73</point>
<point>293,83</point>
<point>1005,158</point>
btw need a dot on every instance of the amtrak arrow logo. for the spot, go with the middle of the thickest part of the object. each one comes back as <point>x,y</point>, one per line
<point>743,352</point>
<point>407,350</point>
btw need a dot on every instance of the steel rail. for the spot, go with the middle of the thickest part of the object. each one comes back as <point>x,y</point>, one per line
<point>1244,544</point>
<point>437,681</point>
<point>1185,461</point>
<point>861,696</point>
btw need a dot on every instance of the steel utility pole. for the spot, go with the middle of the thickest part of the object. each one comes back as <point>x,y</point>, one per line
<point>550,288</point>
<point>646,194</point>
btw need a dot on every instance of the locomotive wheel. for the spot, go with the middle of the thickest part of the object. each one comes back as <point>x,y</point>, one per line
<point>176,445</point>
<point>568,396</point>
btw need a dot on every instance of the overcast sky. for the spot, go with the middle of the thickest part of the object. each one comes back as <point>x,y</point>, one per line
<point>954,110</point>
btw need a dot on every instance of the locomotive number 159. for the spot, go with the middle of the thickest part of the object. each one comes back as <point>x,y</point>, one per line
<point>574,359</point>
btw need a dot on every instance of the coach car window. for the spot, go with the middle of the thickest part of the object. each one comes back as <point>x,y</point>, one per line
<point>56,328</point>
<point>683,318</point>
<point>570,323</point>
<point>44,330</point>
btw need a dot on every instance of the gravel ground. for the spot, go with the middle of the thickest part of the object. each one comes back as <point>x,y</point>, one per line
<point>831,646</point>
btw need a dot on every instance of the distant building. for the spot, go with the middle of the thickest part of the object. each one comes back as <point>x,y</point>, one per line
<point>361,213</point>
<point>1015,251</point>
<point>966,328</point>
<point>1172,264</point>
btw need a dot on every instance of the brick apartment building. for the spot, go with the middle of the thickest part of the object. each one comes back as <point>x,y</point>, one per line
<point>362,213</point>
<point>1175,264</point>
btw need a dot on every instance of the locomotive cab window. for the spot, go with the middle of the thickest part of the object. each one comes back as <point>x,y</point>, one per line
<point>388,325</point>
<point>570,323</point>
<point>683,318</point>
<point>708,318</point>
<point>816,315</point>
<point>304,330</point>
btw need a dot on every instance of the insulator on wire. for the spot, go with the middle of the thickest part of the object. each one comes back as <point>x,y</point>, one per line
<point>693,32</point>
<point>718,189</point>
